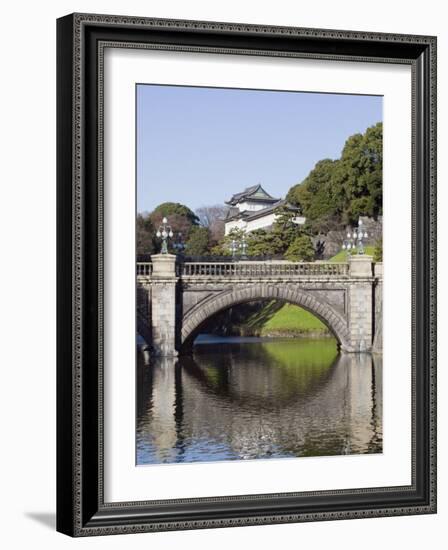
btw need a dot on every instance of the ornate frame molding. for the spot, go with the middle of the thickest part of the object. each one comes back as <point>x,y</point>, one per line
<point>81,42</point>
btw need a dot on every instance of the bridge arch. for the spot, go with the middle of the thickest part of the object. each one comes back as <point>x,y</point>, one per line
<point>226,299</point>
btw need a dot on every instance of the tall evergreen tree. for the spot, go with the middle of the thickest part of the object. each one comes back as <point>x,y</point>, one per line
<point>198,241</point>
<point>337,192</point>
<point>316,196</point>
<point>300,250</point>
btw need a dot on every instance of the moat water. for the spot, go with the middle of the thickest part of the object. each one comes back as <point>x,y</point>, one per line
<point>253,398</point>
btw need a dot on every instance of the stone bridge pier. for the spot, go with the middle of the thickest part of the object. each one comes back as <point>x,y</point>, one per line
<point>175,299</point>
<point>163,305</point>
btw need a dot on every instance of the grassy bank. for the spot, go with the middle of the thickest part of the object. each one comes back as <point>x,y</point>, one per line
<point>280,320</point>
<point>341,257</point>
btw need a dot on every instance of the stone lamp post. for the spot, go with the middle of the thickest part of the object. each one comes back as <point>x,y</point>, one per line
<point>235,246</point>
<point>164,232</point>
<point>355,239</point>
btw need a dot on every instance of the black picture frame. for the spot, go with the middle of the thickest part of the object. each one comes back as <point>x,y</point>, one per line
<point>81,510</point>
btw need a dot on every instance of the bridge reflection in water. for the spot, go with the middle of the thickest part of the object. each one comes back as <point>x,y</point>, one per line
<point>260,399</point>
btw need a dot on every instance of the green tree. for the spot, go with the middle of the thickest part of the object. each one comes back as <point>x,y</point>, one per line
<point>358,175</point>
<point>337,192</point>
<point>179,217</point>
<point>378,251</point>
<point>284,231</point>
<point>198,241</point>
<point>301,249</point>
<point>260,243</point>
<point>168,209</point>
<point>145,235</point>
<point>224,247</point>
<point>315,196</point>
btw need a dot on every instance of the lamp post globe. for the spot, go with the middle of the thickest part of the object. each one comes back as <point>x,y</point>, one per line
<point>355,237</point>
<point>164,232</point>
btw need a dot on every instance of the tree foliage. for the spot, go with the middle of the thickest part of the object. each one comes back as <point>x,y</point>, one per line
<point>301,249</point>
<point>337,192</point>
<point>315,195</point>
<point>179,217</point>
<point>169,209</point>
<point>260,243</point>
<point>378,251</point>
<point>144,234</point>
<point>274,241</point>
<point>198,241</point>
<point>224,247</point>
<point>284,230</point>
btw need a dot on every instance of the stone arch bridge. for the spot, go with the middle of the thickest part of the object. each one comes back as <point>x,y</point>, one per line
<point>175,299</point>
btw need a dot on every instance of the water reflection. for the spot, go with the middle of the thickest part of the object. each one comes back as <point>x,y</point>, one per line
<point>258,400</point>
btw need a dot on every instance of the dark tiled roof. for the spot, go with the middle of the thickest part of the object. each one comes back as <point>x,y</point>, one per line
<point>231,212</point>
<point>270,209</point>
<point>252,192</point>
<point>249,216</point>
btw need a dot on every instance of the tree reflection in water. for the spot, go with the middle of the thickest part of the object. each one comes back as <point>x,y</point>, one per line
<point>280,398</point>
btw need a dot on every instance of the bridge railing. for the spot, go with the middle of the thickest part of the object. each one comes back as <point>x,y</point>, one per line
<point>144,269</point>
<point>261,269</point>
<point>251,269</point>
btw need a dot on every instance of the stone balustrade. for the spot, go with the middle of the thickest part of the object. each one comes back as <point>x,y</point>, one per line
<point>252,269</point>
<point>144,269</point>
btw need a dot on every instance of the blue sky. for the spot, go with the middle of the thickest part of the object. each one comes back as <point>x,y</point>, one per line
<point>199,146</point>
